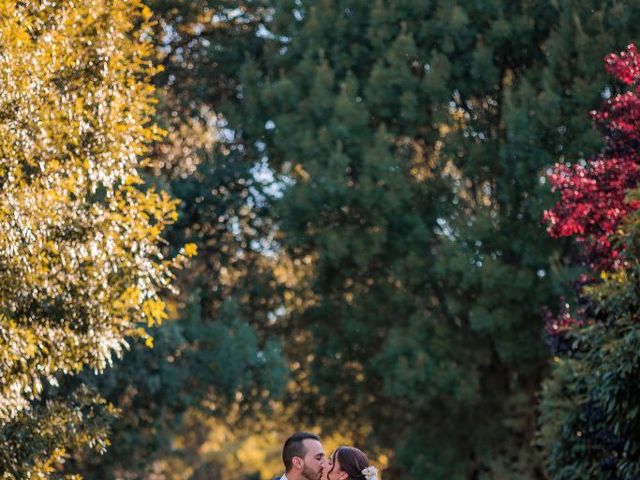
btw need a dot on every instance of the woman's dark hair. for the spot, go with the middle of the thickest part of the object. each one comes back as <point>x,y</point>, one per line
<point>351,460</point>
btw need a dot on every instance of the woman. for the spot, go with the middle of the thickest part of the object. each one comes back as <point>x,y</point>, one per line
<point>349,463</point>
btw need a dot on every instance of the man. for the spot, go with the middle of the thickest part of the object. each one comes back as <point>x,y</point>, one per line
<point>303,457</point>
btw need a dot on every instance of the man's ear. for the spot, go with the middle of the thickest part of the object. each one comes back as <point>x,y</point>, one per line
<point>297,462</point>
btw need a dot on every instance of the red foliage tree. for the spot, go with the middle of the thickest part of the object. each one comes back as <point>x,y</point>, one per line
<point>592,194</point>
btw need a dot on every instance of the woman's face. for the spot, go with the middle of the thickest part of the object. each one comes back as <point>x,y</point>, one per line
<point>334,472</point>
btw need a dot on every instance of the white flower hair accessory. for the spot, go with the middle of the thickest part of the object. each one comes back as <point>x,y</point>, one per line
<point>370,473</point>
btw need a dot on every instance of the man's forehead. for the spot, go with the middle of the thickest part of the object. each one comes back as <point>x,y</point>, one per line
<point>312,446</point>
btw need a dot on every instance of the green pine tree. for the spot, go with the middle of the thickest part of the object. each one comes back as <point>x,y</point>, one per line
<point>414,137</point>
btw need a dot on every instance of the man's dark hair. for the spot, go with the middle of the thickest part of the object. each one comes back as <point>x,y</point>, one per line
<point>294,447</point>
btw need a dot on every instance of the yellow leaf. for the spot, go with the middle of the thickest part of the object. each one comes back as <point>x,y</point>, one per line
<point>146,12</point>
<point>190,249</point>
<point>154,310</point>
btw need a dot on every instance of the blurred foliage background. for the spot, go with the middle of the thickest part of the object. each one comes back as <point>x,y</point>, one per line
<point>365,182</point>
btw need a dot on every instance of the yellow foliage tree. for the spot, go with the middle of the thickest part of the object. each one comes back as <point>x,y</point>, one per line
<point>81,267</point>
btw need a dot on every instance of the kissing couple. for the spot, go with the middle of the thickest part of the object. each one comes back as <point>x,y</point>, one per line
<point>304,459</point>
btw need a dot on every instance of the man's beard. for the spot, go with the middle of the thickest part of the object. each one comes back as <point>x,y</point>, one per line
<point>310,474</point>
